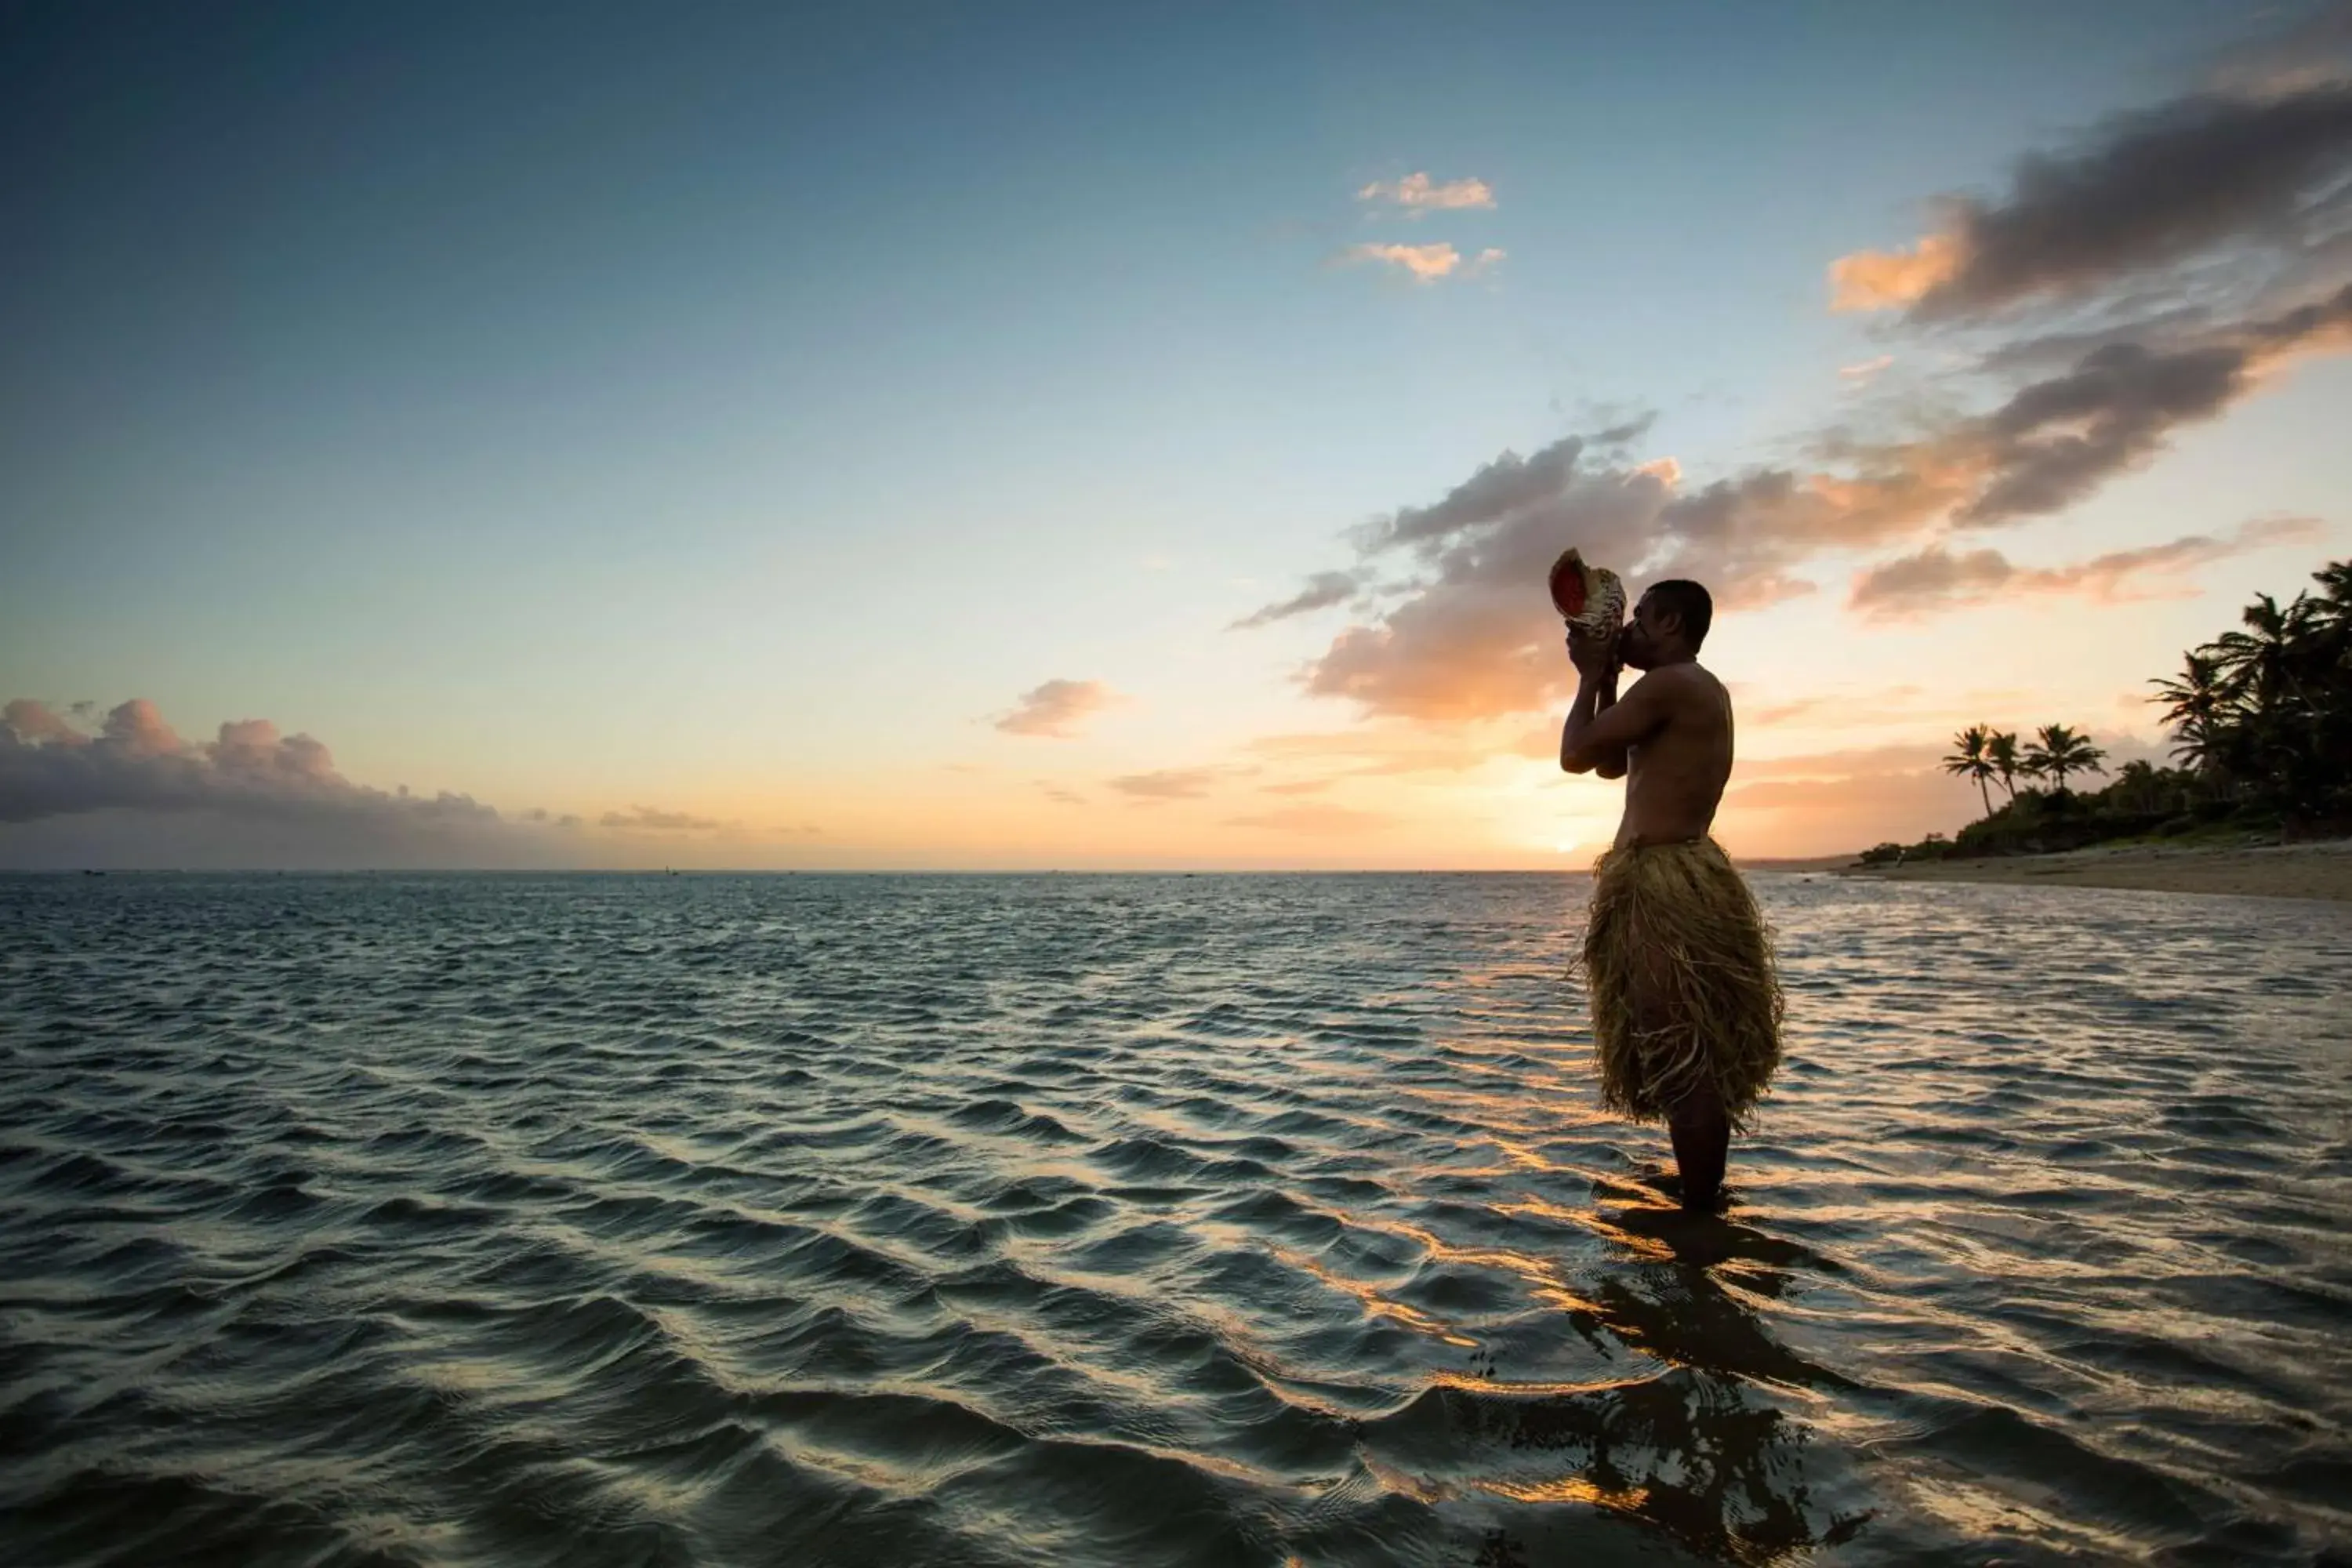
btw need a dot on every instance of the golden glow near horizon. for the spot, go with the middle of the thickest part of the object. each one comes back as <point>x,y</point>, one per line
<point>1190,508</point>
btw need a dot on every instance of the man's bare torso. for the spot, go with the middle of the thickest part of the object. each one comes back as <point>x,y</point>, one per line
<point>1674,777</point>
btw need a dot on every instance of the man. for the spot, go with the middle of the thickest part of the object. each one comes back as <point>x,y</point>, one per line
<point>1685,1002</point>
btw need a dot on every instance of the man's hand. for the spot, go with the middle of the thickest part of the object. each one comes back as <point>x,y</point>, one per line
<point>1595,657</point>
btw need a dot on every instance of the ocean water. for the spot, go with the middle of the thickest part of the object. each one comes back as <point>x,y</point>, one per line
<point>1102,1220</point>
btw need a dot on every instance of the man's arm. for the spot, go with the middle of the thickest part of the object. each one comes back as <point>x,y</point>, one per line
<point>1596,693</point>
<point>1611,766</point>
<point>1598,734</point>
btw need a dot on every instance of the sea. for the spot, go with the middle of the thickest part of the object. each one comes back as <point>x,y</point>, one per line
<point>1124,1220</point>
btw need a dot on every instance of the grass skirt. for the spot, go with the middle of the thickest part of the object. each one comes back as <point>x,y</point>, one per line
<point>1678,963</point>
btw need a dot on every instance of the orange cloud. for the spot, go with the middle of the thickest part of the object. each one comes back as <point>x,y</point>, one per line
<point>1168,783</point>
<point>1425,263</point>
<point>1417,192</point>
<point>1876,279</point>
<point>1057,708</point>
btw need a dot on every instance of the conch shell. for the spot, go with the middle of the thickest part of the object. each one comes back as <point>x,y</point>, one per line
<point>1590,598</point>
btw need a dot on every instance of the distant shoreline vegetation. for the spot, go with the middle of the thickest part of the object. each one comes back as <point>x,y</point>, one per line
<point>2260,720</point>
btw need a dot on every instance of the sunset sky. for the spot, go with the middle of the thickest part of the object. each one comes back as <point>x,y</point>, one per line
<point>1091,437</point>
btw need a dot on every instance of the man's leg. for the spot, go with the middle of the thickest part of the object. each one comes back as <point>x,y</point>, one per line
<point>1701,1132</point>
<point>1702,1135</point>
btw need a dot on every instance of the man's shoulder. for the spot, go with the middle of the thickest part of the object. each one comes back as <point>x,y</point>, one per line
<point>1675,679</point>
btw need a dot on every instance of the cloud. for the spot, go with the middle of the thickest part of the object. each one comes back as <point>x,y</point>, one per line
<point>50,767</point>
<point>1168,783</point>
<point>1467,632</point>
<point>1874,279</point>
<point>1312,819</point>
<point>646,819</point>
<point>1059,795</point>
<point>1057,708</point>
<point>1418,194</point>
<point>1473,636</point>
<point>2056,441</point>
<point>82,789</point>
<point>1451,628</point>
<point>2263,171</point>
<point>2311,50</point>
<point>124,788</point>
<point>1323,590</point>
<point>1935,580</point>
<point>1298,787</point>
<point>1426,263</point>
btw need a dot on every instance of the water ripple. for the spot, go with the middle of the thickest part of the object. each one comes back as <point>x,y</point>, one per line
<point>1150,1220</point>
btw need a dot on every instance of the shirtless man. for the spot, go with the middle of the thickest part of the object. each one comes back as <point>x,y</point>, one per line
<point>1686,1004</point>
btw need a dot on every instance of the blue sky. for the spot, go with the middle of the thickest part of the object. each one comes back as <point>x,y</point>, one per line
<point>575,406</point>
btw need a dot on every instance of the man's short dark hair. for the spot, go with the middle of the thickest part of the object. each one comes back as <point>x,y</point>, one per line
<point>1681,597</point>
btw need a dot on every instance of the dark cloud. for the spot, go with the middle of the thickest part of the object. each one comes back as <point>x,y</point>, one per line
<point>50,767</point>
<point>1323,590</point>
<point>1937,579</point>
<point>2264,170</point>
<point>124,789</point>
<point>2056,441</point>
<point>2309,49</point>
<point>1056,708</point>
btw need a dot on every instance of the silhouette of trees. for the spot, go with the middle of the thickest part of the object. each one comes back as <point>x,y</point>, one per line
<point>1969,759</point>
<point>2056,751</point>
<point>2264,713</point>
<point>2260,724</point>
<point>2000,750</point>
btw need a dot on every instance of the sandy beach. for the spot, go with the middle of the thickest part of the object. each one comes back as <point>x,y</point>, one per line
<point>2317,870</point>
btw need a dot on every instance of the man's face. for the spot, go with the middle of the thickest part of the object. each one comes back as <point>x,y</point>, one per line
<point>1638,645</point>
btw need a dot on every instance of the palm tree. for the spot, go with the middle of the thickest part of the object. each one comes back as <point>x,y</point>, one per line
<point>1968,761</point>
<point>2199,706</point>
<point>2057,750</point>
<point>2334,605</point>
<point>2137,783</point>
<point>2001,751</point>
<point>2261,660</point>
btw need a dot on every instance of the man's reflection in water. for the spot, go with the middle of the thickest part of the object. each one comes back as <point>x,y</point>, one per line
<point>1702,1449</point>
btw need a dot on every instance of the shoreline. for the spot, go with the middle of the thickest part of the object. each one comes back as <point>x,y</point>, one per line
<point>2320,870</point>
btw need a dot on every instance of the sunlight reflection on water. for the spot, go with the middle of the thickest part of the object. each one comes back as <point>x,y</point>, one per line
<point>1130,1220</point>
